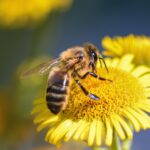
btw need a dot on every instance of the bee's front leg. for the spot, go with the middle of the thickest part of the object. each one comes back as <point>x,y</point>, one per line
<point>93,75</point>
<point>86,92</point>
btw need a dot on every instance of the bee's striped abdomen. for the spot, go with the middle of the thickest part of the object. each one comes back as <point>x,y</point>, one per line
<point>57,92</point>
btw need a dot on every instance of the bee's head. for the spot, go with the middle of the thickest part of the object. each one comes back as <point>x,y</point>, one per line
<point>93,53</point>
<point>94,56</point>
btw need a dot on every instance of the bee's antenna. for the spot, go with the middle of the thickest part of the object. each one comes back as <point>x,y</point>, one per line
<point>100,62</point>
<point>101,58</point>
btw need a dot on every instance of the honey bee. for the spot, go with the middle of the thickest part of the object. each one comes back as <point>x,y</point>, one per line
<point>74,63</point>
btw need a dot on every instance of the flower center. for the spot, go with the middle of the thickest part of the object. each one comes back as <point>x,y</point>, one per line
<point>123,91</point>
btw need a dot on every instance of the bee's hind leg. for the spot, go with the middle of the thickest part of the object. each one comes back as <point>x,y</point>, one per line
<point>90,95</point>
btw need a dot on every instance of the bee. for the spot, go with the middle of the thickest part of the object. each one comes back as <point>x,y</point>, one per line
<point>74,63</point>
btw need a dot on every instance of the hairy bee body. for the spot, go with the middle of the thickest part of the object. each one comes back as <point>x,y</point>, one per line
<point>74,63</point>
<point>57,90</point>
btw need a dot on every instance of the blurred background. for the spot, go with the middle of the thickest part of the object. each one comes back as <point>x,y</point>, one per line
<point>33,31</point>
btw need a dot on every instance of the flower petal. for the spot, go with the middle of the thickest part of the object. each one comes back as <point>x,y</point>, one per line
<point>115,62</point>
<point>61,130</point>
<point>114,47</point>
<point>47,122</point>
<point>84,135</point>
<point>140,70</point>
<point>109,132</point>
<point>38,101</point>
<point>144,106</point>
<point>79,130</point>
<point>92,132</point>
<point>72,130</point>
<point>99,130</point>
<point>145,80</point>
<point>117,127</point>
<point>41,117</point>
<point>125,62</point>
<point>125,126</point>
<point>143,123</point>
<point>144,116</point>
<point>38,108</point>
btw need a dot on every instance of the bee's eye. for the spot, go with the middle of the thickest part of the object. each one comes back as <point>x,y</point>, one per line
<point>94,55</point>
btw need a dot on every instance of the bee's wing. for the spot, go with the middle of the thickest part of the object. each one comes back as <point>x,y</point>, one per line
<point>41,68</point>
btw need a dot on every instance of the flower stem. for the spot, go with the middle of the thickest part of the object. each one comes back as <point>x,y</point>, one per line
<point>116,143</point>
<point>127,145</point>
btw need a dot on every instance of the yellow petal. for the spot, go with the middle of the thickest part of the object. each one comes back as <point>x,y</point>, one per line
<point>140,70</point>
<point>92,132</point>
<point>144,115</point>
<point>115,62</point>
<point>58,126</point>
<point>50,131</point>
<point>38,101</point>
<point>47,122</point>
<point>145,80</point>
<point>132,119</point>
<point>145,107</point>
<point>99,130</point>
<point>146,102</point>
<point>41,117</point>
<point>39,108</point>
<point>84,135</point>
<point>72,130</point>
<point>109,132</point>
<point>111,45</point>
<point>125,62</point>
<point>117,127</point>
<point>147,92</point>
<point>80,129</point>
<point>61,130</point>
<point>143,123</point>
<point>125,126</point>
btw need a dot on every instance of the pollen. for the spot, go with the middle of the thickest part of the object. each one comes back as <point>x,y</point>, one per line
<point>122,91</point>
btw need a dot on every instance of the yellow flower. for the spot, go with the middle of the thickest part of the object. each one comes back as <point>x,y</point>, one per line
<point>27,12</point>
<point>137,45</point>
<point>123,101</point>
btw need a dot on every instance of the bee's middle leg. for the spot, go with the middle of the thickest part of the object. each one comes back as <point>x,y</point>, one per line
<point>90,95</point>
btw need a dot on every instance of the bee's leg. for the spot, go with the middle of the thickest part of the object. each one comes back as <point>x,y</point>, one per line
<point>92,96</point>
<point>98,77</point>
<point>93,75</point>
